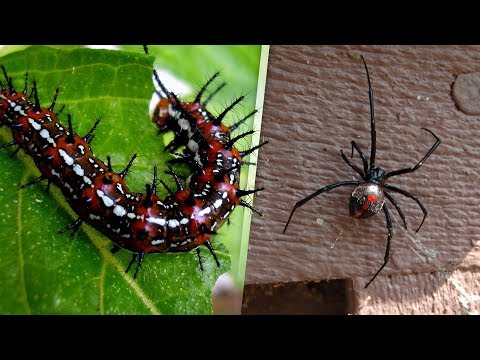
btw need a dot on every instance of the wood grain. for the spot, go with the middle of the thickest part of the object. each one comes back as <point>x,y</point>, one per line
<point>316,103</point>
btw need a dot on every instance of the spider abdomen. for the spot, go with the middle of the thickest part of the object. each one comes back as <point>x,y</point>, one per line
<point>366,200</point>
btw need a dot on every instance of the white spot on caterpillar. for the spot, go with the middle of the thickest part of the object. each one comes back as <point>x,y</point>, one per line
<point>46,135</point>
<point>91,161</point>
<point>226,214</point>
<point>127,236</point>
<point>100,193</point>
<point>197,159</point>
<point>184,124</point>
<point>217,203</point>
<point>94,217</point>
<point>87,180</point>
<point>78,170</point>
<point>116,231</point>
<point>54,173</point>
<point>65,157</point>
<point>156,242</point>
<point>131,215</point>
<point>82,149</point>
<point>173,223</point>
<point>224,195</point>
<point>193,145</point>
<point>213,225</point>
<point>205,211</point>
<point>184,243</point>
<point>109,202</point>
<point>34,124</point>
<point>158,221</point>
<point>119,187</point>
<point>119,210</point>
<point>184,221</point>
<point>173,245</point>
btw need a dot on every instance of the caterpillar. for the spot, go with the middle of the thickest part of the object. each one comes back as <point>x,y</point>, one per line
<point>140,223</point>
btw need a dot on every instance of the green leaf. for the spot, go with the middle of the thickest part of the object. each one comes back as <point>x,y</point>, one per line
<point>43,272</point>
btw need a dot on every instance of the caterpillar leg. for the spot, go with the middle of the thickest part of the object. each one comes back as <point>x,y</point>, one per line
<point>141,256</point>
<point>115,249</point>
<point>73,227</point>
<point>199,258</point>
<point>210,248</point>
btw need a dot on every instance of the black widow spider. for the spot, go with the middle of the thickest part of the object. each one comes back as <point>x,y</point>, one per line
<point>368,198</point>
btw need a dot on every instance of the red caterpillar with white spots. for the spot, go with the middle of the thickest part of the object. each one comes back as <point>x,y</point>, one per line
<point>140,223</point>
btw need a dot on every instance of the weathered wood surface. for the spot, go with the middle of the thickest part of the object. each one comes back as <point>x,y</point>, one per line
<point>316,103</point>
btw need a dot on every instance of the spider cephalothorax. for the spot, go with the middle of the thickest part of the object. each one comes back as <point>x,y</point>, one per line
<point>368,197</point>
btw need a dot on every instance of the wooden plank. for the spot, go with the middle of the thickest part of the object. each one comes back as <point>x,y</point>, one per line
<point>316,103</point>
<point>445,293</point>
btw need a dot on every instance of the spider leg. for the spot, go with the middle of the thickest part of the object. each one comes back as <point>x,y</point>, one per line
<point>387,251</point>
<point>372,119</point>
<point>352,165</point>
<point>420,163</point>
<point>411,196</point>
<point>397,206</point>
<point>362,155</point>
<point>318,192</point>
